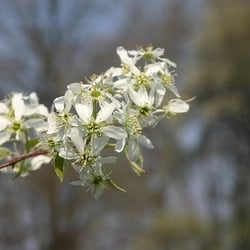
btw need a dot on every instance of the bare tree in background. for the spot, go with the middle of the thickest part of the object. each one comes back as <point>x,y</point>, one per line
<point>42,44</point>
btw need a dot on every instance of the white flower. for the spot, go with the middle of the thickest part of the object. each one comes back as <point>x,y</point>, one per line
<point>94,179</point>
<point>142,98</point>
<point>147,54</point>
<point>32,106</point>
<point>96,90</point>
<point>147,105</point>
<point>129,118</point>
<point>161,74</point>
<point>20,113</point>
<point>61,121</point>
<point>85,153</point>
<point>99,128</point>
<point>63,103</point>
<point>126,60</point>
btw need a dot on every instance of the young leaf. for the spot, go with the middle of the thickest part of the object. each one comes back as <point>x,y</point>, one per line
<point>4,152</point>
<point>59,167</point>
<point>30,144</point>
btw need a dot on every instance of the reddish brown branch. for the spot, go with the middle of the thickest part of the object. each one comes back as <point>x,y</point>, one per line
<point>22,157</point>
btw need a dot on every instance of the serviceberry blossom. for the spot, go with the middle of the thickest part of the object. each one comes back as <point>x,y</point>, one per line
<point>20,113</point>
<point>21,119</point>
<point>110,110</point>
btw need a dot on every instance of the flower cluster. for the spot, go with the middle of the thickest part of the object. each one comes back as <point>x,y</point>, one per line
<point>110,110</point>
<point>21,120</point>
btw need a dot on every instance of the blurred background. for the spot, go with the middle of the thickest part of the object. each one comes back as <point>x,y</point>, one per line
<point>196,192</point>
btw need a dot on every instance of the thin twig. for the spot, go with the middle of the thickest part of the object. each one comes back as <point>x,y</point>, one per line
<point>22,157</point>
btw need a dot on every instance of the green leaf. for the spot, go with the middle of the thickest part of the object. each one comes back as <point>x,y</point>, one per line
<point>4,152</point>
<point>112,184</point>
<point>59,167</point>
<point>21,169</point>
<point>31,144</point>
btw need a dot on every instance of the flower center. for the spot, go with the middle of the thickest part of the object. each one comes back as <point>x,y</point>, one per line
<point>97,179</point>
<point>167,80</point>
<point>94,129</point>
<point>15,126</point>
<point>51,143</point>
<point>141,80</point>
<point>87,159</point>
<point>133,125</point>
<point>125,68</point>
<point>145,110</point>
<point>148,55</point>
<point>95,93</point>
<point>63,119</point>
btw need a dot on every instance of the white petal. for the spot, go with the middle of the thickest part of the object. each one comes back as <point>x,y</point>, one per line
<point>178,106</point>
<point>158,52</point>
<point>33,99</point>
<point>3,108</point>
<point>135,97</point>
<point>42,110</point>
<point>154,68</point>
<point>84,111</point>
<point>141,97</point>
<point>66,154</point>
<point>75,87</point>
<point>4,136</point>
<point>120,144</point>
<point>121,83</point>
<point>133,150</point>
<point>145,142</point>
<point>52,128</point>
<point>168,62</point>
<point>113,71</point>
<point>68,100</point>
<point>97,144</point>
<point>159,94</point>
<point>38,161</point>
<point>18,106</point>
<point>4,122</point>
<point>114,132</point>
<point>135,53</point>
<point>76,138</point>
<point>144,98</point>
<point>105,112</point>
<point>151,97</point>
<point>37,124</point>
<point>122,53</point>
<point>59,104</point>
